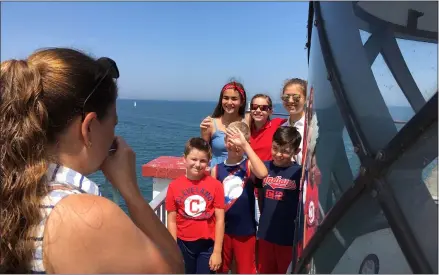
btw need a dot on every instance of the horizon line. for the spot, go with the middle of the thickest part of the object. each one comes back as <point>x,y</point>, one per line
<point>209,101</point>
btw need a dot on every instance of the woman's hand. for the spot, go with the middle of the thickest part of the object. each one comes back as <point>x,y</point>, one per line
<point>120,169</point>
<point>215,261</point>
<point>206,123</point>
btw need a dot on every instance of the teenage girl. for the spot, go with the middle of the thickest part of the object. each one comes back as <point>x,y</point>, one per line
<point>230,108</point>
<point>262,127</point>
<point>294,98</point>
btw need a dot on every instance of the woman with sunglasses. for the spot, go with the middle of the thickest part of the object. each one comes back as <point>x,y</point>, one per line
<point>262,126</point>
<point>57,125</point>
<point>293,99</point>
<point>230,108</point>
<point>262,129</point>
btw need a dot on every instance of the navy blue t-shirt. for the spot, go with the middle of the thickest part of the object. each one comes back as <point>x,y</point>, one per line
<point>239,198</point>
<point>280,198</point>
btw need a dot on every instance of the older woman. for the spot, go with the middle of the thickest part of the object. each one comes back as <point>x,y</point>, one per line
<point>57,125</point>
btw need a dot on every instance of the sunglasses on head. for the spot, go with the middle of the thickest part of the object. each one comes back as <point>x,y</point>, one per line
<point>110,69</point>
<point>286,97</point>
<point>263,108</point>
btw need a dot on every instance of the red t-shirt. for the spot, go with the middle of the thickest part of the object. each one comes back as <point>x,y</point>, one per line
<point>262,139</point>
<point>195,202</point>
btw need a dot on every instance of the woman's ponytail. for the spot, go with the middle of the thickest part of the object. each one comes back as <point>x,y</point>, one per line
<point>23,162</point>
<point>40,98</point>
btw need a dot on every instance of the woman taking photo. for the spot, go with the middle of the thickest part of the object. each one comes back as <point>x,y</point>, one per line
<point>57,125</point>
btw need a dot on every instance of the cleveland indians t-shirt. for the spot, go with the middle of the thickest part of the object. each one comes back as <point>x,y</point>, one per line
<point>279,205</point>
<point>195,202</point>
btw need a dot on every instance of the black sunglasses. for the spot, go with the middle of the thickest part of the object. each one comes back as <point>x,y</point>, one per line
<point>111,69</point>
<point>263,108</point>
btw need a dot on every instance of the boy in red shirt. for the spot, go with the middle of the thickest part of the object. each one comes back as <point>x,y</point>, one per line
<point>195,205</point>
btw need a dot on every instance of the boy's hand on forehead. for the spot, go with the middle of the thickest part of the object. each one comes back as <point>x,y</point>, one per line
<point>236,137</point>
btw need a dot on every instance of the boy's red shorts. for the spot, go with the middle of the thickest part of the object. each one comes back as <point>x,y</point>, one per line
<point>243,249</point>
<point>273,258</point>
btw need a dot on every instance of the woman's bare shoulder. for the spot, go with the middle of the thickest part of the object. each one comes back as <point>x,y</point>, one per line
<point>84,231</point>
<point>84,210</point>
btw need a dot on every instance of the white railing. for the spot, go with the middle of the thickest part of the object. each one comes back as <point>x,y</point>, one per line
<point>158,204</point>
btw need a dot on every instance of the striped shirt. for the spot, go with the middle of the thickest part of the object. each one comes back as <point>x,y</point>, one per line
<point>63,182</point>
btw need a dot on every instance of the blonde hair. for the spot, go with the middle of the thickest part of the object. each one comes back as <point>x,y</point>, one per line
<point>241,126</point>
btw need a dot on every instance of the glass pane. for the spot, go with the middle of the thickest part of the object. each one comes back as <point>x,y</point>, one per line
<point>378,88</point>
<point>421,59</point>
<point>413,179</point>
<point>354,161</point>
<point>364,36</point>
<point>330,160</point>
<point>429,176</point>
<point>361,242</point>
<point>395,100</point>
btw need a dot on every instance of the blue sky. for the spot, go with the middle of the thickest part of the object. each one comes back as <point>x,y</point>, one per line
<point>175,50</point>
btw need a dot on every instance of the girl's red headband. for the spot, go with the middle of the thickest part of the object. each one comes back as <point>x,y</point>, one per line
<point>232,85</point>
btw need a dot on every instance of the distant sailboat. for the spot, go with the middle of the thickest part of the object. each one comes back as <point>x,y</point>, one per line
<point>135,103</point>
